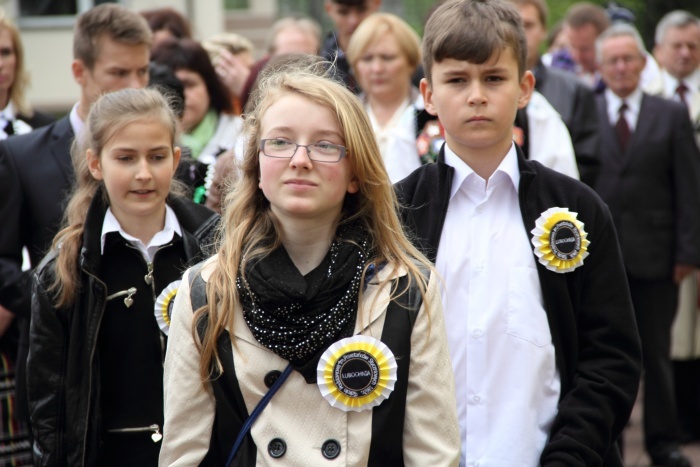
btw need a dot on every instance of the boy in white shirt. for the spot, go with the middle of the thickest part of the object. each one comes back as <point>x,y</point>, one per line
<point>541,331</point>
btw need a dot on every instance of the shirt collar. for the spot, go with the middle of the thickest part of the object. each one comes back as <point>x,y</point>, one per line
<point>75,121</point>
<point>8,113</point>
<point>171,227</point>
<point>671,83</point>
<point>634,103</point>
<point>508,167</point>
<point>693,81</point>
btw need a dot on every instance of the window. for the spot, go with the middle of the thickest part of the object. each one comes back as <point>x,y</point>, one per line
<point>52,13</point>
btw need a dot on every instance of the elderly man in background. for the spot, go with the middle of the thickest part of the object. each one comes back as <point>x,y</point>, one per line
<point>678,52</point>
<point>650,179</point>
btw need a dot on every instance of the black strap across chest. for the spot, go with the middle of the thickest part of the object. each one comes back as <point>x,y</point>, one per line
<point>231,413</point>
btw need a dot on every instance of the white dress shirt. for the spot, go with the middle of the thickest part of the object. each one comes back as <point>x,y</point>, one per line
<point>549,139</point>
<point>170,228</point>
<point>76,122</point>
<point>506,379</point>
<point>634,104</point>
<point>8,115</point>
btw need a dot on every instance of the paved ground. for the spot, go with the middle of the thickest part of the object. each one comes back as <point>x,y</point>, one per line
<point>634,444</point>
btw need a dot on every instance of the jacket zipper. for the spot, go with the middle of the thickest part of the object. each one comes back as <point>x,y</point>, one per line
<point>94,346</point>
<point>92,357</point>
<point>128,301</point>
<point>156,436</point>
<point>149,279</point>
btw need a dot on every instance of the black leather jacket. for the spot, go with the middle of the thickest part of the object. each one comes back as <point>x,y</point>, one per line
<point>63,376</point>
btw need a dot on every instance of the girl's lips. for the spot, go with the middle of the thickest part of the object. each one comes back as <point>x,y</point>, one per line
<point>299,182</point>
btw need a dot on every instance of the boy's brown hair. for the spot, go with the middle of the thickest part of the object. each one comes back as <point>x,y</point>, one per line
<point>472,30</point>
<point>108,20</point>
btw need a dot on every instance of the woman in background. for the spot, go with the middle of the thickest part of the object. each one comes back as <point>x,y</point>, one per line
<point>208,126</point>
<point>384,52</point>
<point>167,23</point>
<point>16,117</point>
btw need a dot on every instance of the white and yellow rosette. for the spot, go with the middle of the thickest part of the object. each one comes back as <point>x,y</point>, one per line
<point>356,373</point>
<point>164,305</point>
<point>560,241</point>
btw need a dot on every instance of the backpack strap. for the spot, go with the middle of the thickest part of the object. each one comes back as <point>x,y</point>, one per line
<point>412,300</point>
<point>198,295</point>
<point>388,417</point>
<point>198,292</point>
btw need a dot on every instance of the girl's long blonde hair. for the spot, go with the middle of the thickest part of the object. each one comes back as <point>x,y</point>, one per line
<point>249,230</point>
<point>108,115</point>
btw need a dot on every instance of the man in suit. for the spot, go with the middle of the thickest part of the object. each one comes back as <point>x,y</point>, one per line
<point>111,51</point>
<point>650,179</point>
<point>346,16</point>
<point>678,52</point>
<point>574,101</point>
<point>583,23</point>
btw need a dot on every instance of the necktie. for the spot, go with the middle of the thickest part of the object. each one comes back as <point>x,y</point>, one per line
<point>681,90</point>
<point>622,128</point>
<point>9,129</point>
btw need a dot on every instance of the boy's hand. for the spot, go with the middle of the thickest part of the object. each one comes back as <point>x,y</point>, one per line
<point>681,271</point>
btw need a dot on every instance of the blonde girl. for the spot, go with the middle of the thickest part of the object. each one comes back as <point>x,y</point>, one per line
<point>96,343</point>
<point>316,294</point>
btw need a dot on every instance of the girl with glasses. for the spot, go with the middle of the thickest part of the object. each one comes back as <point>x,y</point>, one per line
<point>316,303</point>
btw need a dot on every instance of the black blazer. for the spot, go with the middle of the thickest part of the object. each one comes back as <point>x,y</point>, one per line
<point>37,120</point>
<point>35,177</point>
<point>653,189</point>
<point>575,102</point>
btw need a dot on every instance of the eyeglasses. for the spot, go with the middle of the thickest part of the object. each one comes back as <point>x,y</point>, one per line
<point>625,59</point>
<point>285,149</point>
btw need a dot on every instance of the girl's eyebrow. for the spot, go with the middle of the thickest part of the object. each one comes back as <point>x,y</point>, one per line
<point>319,132</point>
<point>131,149</point>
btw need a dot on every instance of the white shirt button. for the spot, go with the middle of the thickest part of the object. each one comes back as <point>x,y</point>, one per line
<point>477,333</point>
<point>477,399</point>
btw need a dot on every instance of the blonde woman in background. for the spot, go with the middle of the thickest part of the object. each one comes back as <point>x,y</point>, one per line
<point>384,52</point>
<point>16,117</point>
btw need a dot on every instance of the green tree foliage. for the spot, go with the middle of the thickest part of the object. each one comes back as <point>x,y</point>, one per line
<point>647,12</point>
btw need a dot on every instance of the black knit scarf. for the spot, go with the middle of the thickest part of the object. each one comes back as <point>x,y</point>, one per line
<point>299,317</point>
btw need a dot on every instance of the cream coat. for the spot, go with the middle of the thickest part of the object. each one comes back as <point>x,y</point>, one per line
<point>298,413</point>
